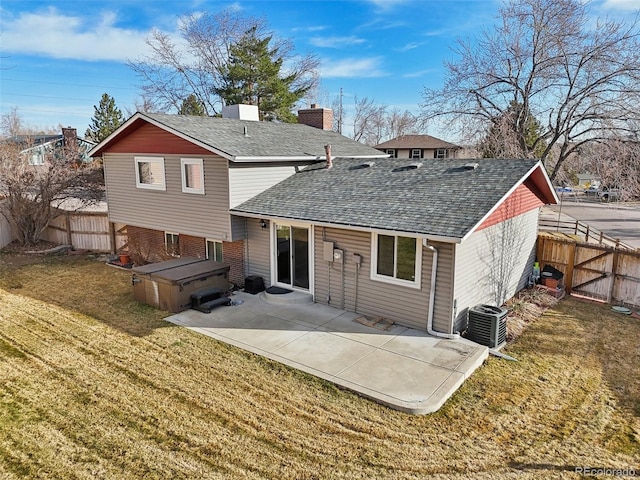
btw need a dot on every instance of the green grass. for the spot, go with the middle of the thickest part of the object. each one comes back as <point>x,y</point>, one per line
<point>95,385</point>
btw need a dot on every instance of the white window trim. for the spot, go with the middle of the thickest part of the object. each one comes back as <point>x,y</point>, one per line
<point>165,244</point>
<point>391,152</point>
<point>191,161</point>
<point>206,243</point>
<point>396,281</point>
<point>415,150</point>
<point>149,186</point>
<point>444,151</point>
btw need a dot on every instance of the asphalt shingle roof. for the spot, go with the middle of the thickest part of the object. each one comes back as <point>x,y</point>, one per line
<point>416,141</point>
<point>263,139</point>
<point>439,199</point>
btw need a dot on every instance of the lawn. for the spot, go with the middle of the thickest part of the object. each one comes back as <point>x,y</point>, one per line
<point>94,385</point>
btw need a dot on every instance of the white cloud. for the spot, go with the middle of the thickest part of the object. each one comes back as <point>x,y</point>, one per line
<point>335,42</point>
<point>50,33</point>
<point>352,68</point>
<point>419,73</point>
<point>410,46</point>
<point>621,4</point>
<point>387,4</point>
<point>311,28</point>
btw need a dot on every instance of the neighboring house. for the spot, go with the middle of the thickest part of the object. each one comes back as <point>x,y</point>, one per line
<point>40,148</point>
<point>415,242</point>
<point>586,180</point>
<point>419,146</point>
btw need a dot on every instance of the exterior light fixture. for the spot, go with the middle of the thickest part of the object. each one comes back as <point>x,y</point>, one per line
<point>263,224</point>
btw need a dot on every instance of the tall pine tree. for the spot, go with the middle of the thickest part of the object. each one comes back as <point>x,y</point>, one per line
<point>254,76</point>
<point>192,106</point>
<point>106,118</point>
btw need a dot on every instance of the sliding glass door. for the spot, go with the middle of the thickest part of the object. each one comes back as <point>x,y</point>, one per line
<point>292,256</point>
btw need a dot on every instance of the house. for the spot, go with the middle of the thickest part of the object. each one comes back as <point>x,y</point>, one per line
<point>307,209</point>
<point>587,179</point>
<point>39,148</point>
<point>418,243</point>
<point>172,179</point>
<point>419,146</point>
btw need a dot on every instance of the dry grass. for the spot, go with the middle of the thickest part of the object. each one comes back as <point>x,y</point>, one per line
<point>97,386</point>
<point>525,308</point>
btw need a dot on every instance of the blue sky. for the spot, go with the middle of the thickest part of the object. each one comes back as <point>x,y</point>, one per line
<point>59,57</point>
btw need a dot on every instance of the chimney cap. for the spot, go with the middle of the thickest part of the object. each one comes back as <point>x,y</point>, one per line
<point>314,105</point>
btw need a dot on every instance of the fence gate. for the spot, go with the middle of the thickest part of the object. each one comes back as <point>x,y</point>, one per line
<point>607,273</point>
<point>593,269</point>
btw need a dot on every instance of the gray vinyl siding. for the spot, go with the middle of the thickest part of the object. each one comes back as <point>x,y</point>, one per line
<point>186,213</point>
<point>246,182</point>
<point>258,248</point>
<point>238,228</point>
<point>473,260</point>
<point>403,305</point>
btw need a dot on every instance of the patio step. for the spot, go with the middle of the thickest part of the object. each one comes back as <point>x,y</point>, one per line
<point>287,298</point>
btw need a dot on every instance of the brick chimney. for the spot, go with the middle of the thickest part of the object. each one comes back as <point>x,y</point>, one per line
<point>69,137</point>
<point>321,118</point>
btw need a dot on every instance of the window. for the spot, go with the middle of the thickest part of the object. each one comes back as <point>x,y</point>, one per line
<point>391,152</point>
<point>192,175</point>
<point>214,250</point>
<point>416,153</point>
<point>396,259</point>
<point>172,243</point>
<point>36,158</point>
<point>441,153</point>
<point>150,173</point>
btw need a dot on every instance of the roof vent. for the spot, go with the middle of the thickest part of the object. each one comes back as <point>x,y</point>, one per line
<point>411,166</point>
<point>363,165</point>
<point>471,166</point>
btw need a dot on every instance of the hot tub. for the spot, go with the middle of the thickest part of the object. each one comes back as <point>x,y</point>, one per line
<point>169,285</point>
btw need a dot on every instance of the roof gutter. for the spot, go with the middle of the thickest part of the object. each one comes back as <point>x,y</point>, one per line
<point>240,159</point>
<point>345,226</point>
<point>432,298</point>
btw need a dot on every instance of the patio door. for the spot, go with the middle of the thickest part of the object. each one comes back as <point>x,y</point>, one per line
<point>292,254</point>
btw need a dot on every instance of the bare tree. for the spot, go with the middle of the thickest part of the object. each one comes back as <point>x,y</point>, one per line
<point>11,123</point>
<point>366,115</point>
<point>33,193</point>
<point>193,64</point>
<point>577,77</point>
<point>615,162</point>
<point>400,123</point>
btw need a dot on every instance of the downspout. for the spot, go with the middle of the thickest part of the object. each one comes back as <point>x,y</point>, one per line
<point>432,298</point>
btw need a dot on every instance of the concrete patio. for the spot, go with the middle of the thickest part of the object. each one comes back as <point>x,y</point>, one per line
<point>403,368</point>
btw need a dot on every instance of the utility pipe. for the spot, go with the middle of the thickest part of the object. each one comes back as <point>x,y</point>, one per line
<point>432,298</point>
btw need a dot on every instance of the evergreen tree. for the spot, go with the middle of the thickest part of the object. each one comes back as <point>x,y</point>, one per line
<point>516,133</point>
<point>192,106</point>
<point>253,76</point>
<point>106,118</point>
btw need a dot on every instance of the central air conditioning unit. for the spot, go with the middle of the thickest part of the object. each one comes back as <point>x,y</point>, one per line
<point>488,325</point>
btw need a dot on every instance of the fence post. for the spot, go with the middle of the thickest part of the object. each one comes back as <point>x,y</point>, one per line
<point>112,237</point>
<point>586,235</point>
<point>67,221</point>
<point>571,260</point>
<point>614,270</point>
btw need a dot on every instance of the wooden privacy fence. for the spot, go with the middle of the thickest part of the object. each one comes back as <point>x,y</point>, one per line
<point>6,235</point>
<point>86,230</point>
<point>602,272</point>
